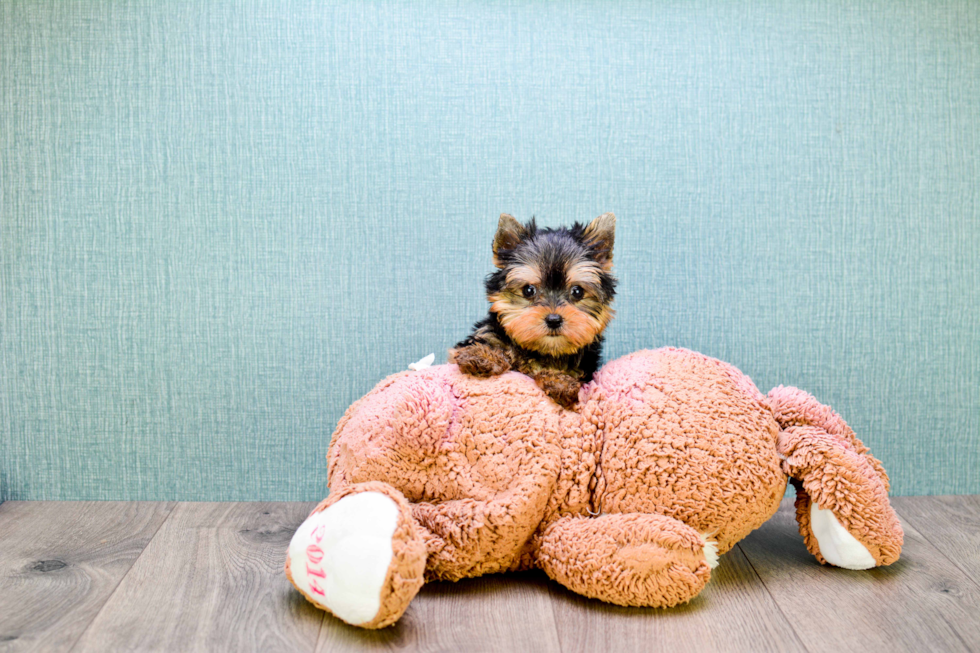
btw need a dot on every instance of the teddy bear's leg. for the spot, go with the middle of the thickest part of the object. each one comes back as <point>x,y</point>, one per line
<point>360,555</point>
<point>628,559</point>
<point>841,490</point>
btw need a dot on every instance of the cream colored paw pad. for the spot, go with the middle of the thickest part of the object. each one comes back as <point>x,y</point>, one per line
<point>710,550</point>
<point>837,546</point>
<point>339,557</point>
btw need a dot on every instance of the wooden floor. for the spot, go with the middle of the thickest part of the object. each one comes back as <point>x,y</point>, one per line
<point>208,577</point>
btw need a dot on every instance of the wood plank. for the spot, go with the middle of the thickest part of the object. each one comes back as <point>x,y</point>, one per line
<point>922,602</point>
<point>493,614</point>
<point>732,613</point>
<point>212,579</point>
<point>60,562</point>
<point>951,524</point>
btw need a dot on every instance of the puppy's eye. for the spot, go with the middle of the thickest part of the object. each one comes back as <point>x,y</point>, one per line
<point>529,291</point>
<point>577,293</point>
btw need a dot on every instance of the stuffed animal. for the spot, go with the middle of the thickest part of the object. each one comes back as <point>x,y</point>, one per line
<point>670,458</point>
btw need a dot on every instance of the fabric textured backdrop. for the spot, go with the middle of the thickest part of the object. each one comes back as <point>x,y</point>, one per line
<point>223,222</point>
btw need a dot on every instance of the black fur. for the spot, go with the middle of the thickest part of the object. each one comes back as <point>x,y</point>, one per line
<point>550,252</point>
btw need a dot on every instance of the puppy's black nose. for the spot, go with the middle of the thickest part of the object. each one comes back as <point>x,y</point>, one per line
<point>553,321</point>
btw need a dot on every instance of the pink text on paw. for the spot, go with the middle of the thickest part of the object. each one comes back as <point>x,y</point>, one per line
<point>314,556</point>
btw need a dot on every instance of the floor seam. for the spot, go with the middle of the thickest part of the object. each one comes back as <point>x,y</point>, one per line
<point>775,602</point>
<point>553,604</point>
<point>966,573</point>
<point>124,576</point>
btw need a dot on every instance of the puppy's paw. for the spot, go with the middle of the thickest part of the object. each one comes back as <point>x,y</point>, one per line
<point>562,388</point>
<point>479,360</point>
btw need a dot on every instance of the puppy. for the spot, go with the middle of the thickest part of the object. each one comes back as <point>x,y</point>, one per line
<point>550,301</point>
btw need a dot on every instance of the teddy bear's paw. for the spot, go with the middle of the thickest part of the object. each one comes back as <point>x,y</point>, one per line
<point>837,546</point>
<point>710,550</point>
<point>340,558</point>
<point>629,559</point>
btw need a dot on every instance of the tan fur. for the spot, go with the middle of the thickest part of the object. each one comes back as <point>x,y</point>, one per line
<point>522,275</point>
<point>509,233</point>
<point>583,273</point>
<point>561,387</point>
<point>579,327</point>
<point>527,328</point>
<point>480,360</point>
<point>610,501</point>
<point>601,233</point>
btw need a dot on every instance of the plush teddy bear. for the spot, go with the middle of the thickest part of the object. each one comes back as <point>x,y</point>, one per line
<point>670,458</point>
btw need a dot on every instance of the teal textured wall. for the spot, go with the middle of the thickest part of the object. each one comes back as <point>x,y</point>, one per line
<point>223,222</point>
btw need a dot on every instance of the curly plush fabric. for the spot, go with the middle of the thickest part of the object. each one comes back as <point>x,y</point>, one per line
<point>829,465</point>
<point>670,459</point>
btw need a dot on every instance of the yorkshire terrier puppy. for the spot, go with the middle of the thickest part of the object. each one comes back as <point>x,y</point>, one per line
<point>550,301</point>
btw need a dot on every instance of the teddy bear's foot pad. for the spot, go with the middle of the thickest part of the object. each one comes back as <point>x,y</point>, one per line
<point>837,546</point>
<point>340,556</point>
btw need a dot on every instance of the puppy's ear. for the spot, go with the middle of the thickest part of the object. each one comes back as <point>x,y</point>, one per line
<point>600,235</point>
<point>509,235</point>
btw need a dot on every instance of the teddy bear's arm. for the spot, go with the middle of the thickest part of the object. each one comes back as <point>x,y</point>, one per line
<point>841,504</point>
<point>628,558</point>
<point>841,490</point>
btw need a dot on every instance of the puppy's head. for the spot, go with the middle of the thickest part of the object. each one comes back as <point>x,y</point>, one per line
<point>553,288</point>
